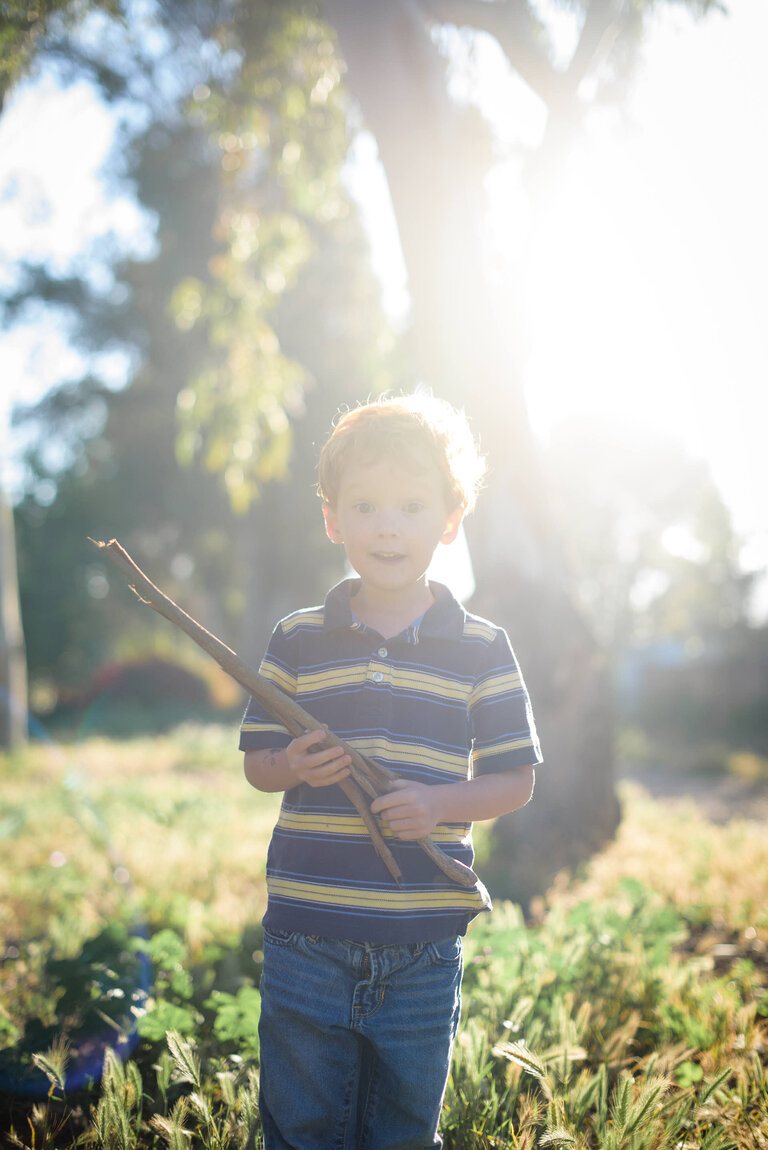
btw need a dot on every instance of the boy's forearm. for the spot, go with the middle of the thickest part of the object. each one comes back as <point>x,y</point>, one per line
<point>413,810</point>
<point>302,761</point>
<point>268,770</point>
<point>485,797</point>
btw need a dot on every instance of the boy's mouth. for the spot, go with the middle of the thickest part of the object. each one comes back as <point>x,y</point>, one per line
<point>388,556</point>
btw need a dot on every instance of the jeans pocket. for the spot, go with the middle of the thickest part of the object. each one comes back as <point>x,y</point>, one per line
<point>446,952</point>
<point>279,937</point>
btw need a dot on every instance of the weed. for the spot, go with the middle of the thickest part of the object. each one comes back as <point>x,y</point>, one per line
<point>628,1014</point>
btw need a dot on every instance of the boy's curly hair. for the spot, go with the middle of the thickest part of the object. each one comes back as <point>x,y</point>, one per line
<point>418,431</point>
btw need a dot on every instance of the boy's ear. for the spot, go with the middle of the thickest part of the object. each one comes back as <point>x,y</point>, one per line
<point>452,526</point>
<point>331,524</point>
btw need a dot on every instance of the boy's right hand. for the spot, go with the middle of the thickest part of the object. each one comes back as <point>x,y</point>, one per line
<point>318,767</point>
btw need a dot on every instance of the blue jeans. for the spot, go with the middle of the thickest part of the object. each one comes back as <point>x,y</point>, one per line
<point>356,1042</point>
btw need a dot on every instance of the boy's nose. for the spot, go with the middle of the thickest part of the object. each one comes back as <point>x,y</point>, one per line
<point>387,522</point>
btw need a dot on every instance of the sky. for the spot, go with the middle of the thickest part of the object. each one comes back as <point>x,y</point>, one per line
<point>649,271</point>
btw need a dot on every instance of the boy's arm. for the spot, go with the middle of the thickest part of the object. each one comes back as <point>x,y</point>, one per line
<point>280,769</point>
<point>413,810</point>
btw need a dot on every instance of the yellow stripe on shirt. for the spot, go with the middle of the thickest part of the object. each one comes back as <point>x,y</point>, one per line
<point>506,684</point>
<point>277,675</point>
<point>332,678</point>
<point>459,898</point>
<point>270,728</point>
<point>502,748</point>
<point>310,618</point>
<point>417,681</point>
<point>352,825</point>
<point>480,629</point>
<point>414,754</point>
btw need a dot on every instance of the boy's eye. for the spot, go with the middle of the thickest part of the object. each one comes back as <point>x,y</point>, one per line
<point>363,507</point>
<point>414,506</point>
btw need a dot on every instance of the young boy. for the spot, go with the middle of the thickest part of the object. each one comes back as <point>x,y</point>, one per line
<point>361,980</point>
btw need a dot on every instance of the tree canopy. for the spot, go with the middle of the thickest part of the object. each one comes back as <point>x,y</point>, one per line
<point>202,317</point>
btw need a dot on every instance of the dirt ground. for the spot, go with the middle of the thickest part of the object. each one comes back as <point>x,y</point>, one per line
<point>720,798</point>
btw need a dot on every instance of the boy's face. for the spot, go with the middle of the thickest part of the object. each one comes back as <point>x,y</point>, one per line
<point>390,519</point>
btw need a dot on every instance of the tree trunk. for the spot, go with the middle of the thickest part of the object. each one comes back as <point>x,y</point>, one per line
<point>466,348</point>
<point>13,668</point>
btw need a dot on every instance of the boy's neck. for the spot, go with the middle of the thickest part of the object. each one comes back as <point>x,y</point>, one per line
<point>389,615</point>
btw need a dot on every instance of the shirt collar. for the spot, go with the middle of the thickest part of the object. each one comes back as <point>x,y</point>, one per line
<point>444,619</point>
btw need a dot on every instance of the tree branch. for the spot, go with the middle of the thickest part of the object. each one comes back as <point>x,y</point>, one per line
<point>515,28</point>
<point>600,28</point>
<point>512,25</point>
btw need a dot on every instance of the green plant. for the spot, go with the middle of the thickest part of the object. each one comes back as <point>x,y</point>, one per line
<point>117,1121</point>
<point>631,1012</point>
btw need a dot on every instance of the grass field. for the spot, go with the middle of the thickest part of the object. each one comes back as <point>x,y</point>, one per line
<point>629,1012</point>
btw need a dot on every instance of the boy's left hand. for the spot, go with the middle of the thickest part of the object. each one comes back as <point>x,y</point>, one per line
<point>409,809</point>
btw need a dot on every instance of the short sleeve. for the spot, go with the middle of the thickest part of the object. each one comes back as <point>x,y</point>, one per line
<point>259,730</point>
<point>501,719</point>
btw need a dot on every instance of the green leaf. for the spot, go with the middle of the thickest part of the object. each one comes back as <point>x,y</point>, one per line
<point>166,948</point>
<point>688,1073</point>
<point>166,1016</point>
<point>237,1017</point>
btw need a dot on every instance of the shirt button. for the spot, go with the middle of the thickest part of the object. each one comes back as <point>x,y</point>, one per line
<point>377,676</point>
<point>383,652</point>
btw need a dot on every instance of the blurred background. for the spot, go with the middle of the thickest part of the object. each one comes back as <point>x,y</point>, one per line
<point>220,221</point>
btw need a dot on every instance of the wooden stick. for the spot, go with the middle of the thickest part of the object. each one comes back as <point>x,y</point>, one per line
<point>366,777</point>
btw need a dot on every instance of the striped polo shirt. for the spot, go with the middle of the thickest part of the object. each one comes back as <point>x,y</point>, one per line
<point>441,702</point>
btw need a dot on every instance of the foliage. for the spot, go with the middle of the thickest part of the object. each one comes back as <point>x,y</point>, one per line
<point>24,22</point>
<point>280,131</point>
<point>630,1011</point>
<point>654,551</point>
<point>656,565</point>
<point>208,325</point>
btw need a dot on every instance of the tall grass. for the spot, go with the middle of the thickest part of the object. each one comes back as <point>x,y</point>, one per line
<point>629,1012</point>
